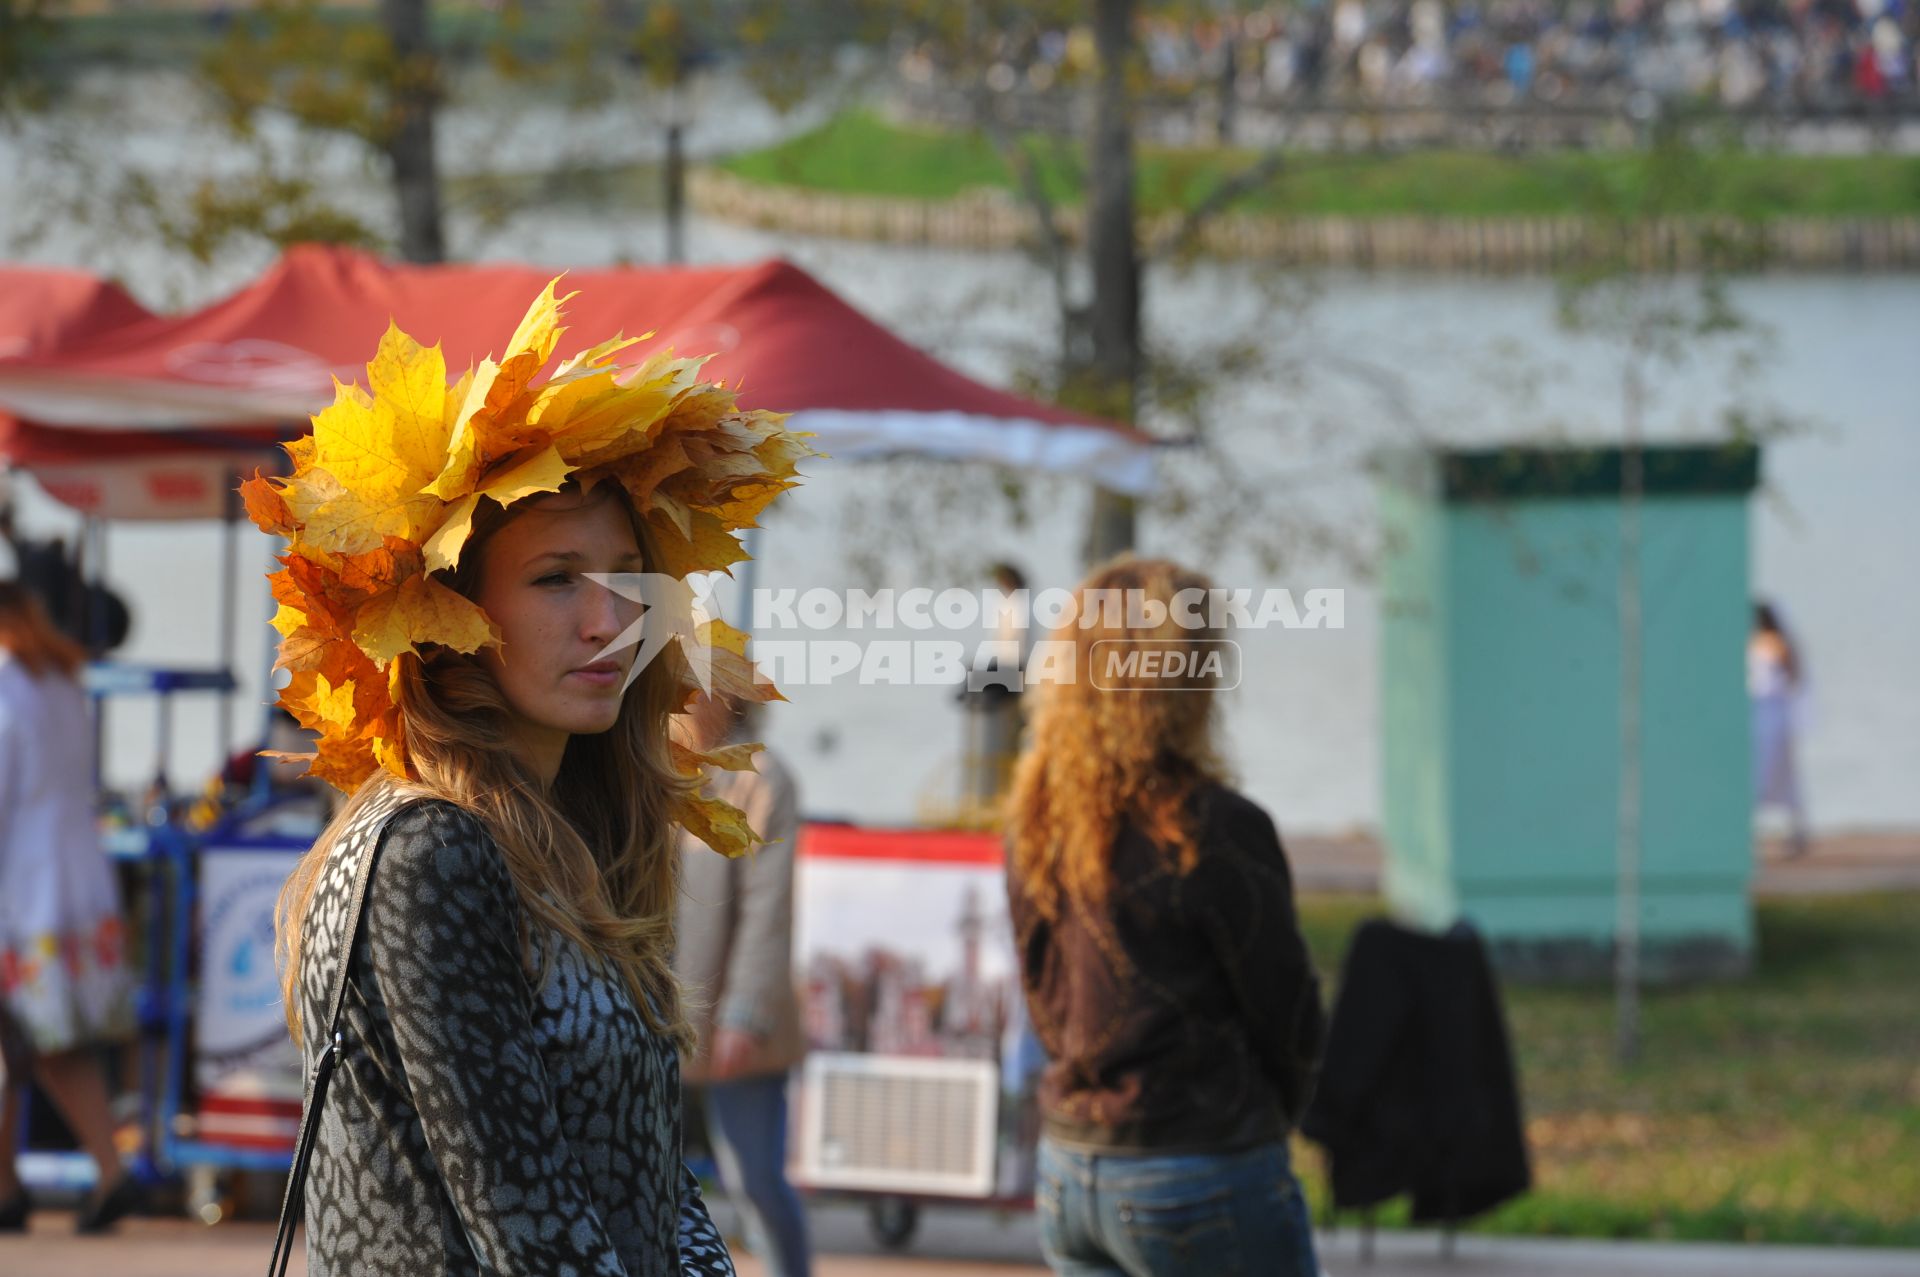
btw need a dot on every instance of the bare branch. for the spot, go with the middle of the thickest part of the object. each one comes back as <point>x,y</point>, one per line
<point>1055,250</point>
<point>1195,219</point>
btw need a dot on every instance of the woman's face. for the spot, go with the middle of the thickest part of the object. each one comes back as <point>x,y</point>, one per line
<point>554,622</point>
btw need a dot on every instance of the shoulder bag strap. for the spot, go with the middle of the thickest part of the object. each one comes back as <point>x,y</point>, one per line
<point>295,1200</point>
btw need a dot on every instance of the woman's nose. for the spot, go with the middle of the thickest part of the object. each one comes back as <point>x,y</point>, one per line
<point>605,615</point>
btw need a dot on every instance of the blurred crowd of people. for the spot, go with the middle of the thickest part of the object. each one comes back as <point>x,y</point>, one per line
<point>1790,56</point>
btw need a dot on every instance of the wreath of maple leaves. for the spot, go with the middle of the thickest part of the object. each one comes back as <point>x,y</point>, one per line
<point>382,494</point>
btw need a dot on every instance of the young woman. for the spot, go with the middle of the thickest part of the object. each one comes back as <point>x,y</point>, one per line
<point>507,1093</point>
<point>1776,687</point>
<point>1163,967</point>
<point>63,981</point>
<point>509,1097</point>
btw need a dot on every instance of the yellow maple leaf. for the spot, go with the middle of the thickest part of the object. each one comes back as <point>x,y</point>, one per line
<point>544,471</point>
<point>265,506</point>
<point>594,358</point>
<point>332,704</point>
<point>305,649</point>
<point>370,462</point>
<point>539,329</point>
<point>342,763</point>
<point>409,385</point>
<point>716,633</point>
<point>648,470</point>
<point>493,419</point>
<point>595,419</point>
<point>420,611</point>
<point>708,548</point>
<point>673,509</point>
<point>729,673</point>
<point>689,761</point>
<point>287,619</point>
<point>734,758</point>
<point>717,823</point>
<point>299,452</point>
<point>746,502</point>
<point>390,752</point>
<point>444,546</point>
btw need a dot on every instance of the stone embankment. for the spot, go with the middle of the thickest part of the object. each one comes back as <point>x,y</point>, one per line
<point>992,219</point>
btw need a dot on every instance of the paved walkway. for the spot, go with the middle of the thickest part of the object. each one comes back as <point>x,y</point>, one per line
<point>1835,865</point>
<point>964,1243</point>
<point>971,1243</point>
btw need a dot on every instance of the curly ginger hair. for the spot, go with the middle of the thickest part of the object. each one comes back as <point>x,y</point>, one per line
<point>1109,747</point>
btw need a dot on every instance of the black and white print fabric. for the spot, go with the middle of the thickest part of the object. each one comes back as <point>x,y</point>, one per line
<point>477,1124</point>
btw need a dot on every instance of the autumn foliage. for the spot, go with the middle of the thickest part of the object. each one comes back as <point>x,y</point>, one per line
<point>383,493</point>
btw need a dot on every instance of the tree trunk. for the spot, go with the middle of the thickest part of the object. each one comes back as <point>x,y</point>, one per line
<point>1114,257</point>
<point>674,173</point>
<point>416,95</point>
<point>1228,88</point>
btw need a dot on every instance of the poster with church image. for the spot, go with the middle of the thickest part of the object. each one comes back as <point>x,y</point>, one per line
<point>904,952</point>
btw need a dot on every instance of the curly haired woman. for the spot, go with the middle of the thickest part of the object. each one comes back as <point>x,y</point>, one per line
<point>1162,962</point>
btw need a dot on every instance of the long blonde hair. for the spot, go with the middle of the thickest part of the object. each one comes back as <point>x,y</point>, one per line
<point>592,858</point>
<point>1107,748</point>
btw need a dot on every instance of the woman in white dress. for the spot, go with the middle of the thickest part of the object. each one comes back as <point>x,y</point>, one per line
<point>63,978</point>
<point>1774,685</point>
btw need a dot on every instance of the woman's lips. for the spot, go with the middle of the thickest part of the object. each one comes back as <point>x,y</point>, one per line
<point>599,674</point>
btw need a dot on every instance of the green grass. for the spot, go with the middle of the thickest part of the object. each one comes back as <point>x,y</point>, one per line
<point>859,153</point>
<point>1784,1108</point>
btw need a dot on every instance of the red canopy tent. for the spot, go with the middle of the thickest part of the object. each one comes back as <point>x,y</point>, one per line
<point>207,381</point>
<point>43,309</point>
<point>128,473</point>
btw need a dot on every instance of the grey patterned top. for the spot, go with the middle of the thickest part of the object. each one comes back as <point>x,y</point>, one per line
<point>476,1124</point>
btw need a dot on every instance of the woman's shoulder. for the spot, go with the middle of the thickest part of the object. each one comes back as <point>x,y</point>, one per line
<point>422,839</point>
<point>1221,804</point>
<point>1232,821</point>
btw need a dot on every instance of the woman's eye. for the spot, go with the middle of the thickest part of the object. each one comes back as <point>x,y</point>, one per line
<point>554,578</point>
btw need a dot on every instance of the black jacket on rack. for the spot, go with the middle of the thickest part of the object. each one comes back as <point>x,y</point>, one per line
<point>1417,1088</point>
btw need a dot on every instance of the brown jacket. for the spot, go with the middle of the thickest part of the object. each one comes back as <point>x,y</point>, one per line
<point>734,932</point>
<point>1183,1013</point>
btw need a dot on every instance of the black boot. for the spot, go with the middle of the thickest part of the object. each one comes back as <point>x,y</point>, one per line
<point>103,1211</point>
<point>14,1212</point>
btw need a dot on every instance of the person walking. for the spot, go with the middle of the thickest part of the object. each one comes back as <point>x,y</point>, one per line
<point>64,983</point>
<point>1160,956</point>
<point>734,958</point>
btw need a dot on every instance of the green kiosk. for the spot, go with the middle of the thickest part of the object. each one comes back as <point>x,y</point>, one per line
<point>1501,703</point>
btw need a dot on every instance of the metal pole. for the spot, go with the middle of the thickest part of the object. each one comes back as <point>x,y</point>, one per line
<point>262,780</point>
<point>749,574</point>
<point>84,556</point>
<point>229,570</point>
<point>1628,852</point>
<point>676,179</point>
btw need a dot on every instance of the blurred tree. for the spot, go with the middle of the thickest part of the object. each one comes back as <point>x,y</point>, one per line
<point>372,76</point>
<point>1653,284</point>
<point>381,78</point>
<point>27,37</point>
<point>784,51</point>
<point>1063,79</point>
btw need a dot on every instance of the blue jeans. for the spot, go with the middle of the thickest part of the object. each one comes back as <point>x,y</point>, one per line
<point>1191,1215</point>
<point>747,1124</point>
